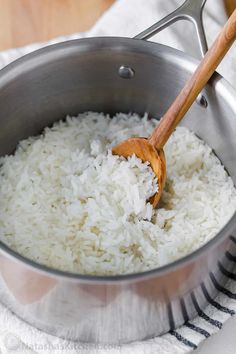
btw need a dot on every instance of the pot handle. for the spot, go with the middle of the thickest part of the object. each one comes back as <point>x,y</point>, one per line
<point>191,10</point>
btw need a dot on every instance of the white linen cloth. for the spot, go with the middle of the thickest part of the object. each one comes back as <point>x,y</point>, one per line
<point>128,18</point>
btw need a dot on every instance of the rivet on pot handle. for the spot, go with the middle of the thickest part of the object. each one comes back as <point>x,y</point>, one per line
<point>191,10</point>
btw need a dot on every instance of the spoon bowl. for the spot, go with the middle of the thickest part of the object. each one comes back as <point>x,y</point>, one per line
<point>143,149</point>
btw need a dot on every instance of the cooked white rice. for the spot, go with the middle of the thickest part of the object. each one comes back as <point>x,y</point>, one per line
<point>68,203</point>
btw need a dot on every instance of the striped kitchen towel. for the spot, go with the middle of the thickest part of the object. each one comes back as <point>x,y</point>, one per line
<point>128,18</point>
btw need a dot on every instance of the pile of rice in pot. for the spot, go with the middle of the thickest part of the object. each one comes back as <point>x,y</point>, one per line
<point>68,203</point>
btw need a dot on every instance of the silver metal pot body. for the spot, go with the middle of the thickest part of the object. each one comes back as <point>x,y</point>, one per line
<point>83,75</point>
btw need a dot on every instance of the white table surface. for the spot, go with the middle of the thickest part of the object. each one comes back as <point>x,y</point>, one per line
<point>223,342</point>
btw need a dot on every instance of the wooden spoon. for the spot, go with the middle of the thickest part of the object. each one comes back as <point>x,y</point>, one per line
<point>151,149</point>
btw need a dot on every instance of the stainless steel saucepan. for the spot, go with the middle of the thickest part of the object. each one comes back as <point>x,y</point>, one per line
<point>113,75</point>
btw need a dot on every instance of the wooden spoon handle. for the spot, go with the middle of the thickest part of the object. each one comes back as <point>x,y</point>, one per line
<point>195,84</point>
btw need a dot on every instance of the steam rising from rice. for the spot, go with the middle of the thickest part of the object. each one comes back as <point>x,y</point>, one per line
<point>67,202</point>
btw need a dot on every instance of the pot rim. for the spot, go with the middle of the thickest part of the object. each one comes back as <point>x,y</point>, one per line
<point>18,66</point>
